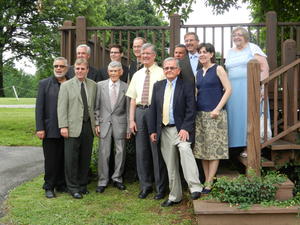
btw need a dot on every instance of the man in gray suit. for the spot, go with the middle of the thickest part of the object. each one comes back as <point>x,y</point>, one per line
<point>76,121</point>
<point>111,114</point>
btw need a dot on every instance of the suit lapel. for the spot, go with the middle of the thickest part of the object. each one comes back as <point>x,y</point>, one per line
<point>120,95</point>
<point>161,93</point>
<point>106,95</point>
<point>177,93</point>
<point>76,89</point>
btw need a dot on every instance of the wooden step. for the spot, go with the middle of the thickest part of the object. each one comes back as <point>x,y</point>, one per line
<point>283,145</point>
<point>264,162</point>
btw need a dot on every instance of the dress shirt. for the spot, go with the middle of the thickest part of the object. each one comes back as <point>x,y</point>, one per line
<point>78,82</point>
<point>194,59</point>
<point>117,87</point>
<point>136,86</point>
<point>171,114</point>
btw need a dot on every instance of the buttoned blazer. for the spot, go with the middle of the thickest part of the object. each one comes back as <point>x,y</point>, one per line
<point>93,73</point>
<point>46,107</point>
<point>184,107</point>
<point>133,69</point>
<point>106,116</point>
<point>104,74</point>
<point>187,73</point>
<point>70,106</point>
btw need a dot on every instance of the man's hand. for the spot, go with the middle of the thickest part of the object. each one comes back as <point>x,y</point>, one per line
<point>183,135</point>
<point>97,130</point>
<point>64,132</point>
<point>41,134</point>
<point>128,135</point>
<point>153,137</point>
<point>132,126</point>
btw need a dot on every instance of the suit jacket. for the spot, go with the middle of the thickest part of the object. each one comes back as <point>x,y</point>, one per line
<point>70,106</point>
<point>104,74</point>
<point>46,107</point>
<point>93,73</point>
<point>187,73</point>
<point>106,116</point>
<point>133,69</point>
<point>184,107</point>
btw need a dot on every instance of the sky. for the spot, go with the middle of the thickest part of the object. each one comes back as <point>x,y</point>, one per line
<point>200,15</point>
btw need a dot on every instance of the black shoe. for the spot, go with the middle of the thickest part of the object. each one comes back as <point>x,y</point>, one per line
<point>76,195</point>
<point>49,194</point>
<point>168,203</point>
<point>100,189</point>
<point>84,192</point>
<point>119,185</point>
<point>159,196</point>
<point>195,195</point>
<point>143,194</point>
<point>206,191</point>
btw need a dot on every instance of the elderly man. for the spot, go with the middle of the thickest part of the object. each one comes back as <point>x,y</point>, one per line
<point>112,115</point>
<point>83,51</point>
<point>116,54</point>
<point>47,128</point>
<point>137,64</point>
<point>76,121</point>
<point>190,64</point>
<point>172,122</point>
<point>180,52</point>
<point>148,155</point>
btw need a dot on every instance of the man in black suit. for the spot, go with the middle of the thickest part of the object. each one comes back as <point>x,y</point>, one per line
<point>47,128</point>
<point>137,64</point>
<point>84,51</point>
<point>172,124</point>
<point>190,64</point>
<point>116,54</point>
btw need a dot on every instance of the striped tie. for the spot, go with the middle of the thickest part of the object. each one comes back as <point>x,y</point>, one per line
<point>145,94</point>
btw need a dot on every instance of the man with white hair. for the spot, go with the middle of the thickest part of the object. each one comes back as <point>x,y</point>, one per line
<point>84,51</point>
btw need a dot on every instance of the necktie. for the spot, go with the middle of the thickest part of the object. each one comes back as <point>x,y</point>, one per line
<point>138,66</point>
<point>113,95</point>
<point>166,105</point>
<point>145,94</point>
<point>85,104</point>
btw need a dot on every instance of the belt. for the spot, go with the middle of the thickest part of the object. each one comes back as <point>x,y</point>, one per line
<point>168,125</point>
<point>143,106</point>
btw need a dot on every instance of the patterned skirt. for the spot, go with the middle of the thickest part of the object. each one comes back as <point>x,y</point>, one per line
<point>211,142</point>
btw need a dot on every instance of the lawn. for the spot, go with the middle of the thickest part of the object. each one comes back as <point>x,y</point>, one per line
<point>18,127</point>
<point>27,205</point>
<point>14,101</point>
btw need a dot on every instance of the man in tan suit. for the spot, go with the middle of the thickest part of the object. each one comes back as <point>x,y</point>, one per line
<point>77,125</point>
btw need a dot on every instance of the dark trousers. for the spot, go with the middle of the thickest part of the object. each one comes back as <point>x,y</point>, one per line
<point>150,163</point>
<point>53,149</point>
<point>78,153</point>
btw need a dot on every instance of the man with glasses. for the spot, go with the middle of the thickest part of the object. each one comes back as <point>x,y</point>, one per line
<point>136,64</point>
<point>172,124</point>
<point>83,51</point>
<point>47,128</point>
<point>116,54</point>
<point>150,164</point>
<point>190,64</point>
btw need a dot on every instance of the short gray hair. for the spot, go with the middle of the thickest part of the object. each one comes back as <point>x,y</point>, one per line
<point>148,45</point>
<point>172,59</point>
<point>114,64</point>
<point>60,58</point>
<point>88,49</point>
<point>245,33</point>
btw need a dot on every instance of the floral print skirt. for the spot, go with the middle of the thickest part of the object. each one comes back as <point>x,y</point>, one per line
<point>211,142</point>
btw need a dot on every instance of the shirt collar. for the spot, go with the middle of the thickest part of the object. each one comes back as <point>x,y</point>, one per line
<point>196,55</point>
<point>110,82</point>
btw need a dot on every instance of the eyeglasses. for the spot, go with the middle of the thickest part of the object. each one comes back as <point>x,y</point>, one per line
<point>237,35</point>
<point>60,66</point>
<point>170,68</point>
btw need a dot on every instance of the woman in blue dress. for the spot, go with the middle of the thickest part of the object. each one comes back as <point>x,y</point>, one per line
<point>236,65</point>
<point>213,91</point>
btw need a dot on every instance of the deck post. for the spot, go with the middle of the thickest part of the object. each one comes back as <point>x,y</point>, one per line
<point>81,34</point>
<point>253,132</point>
<point>67,42</point>
<point>174,32</point>
<point>271,39</point>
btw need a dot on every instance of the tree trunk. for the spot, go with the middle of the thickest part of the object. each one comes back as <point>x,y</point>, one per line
<point>1,73</point>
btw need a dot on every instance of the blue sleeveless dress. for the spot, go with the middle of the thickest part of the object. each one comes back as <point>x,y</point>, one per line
<point>211,140</point>
<point>236,65</point>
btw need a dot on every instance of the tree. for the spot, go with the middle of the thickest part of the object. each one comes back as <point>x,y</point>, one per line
<point>29,28</point>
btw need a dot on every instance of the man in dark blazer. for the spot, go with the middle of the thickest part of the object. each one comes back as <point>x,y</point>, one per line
<point>84,51</point>
<point>47,128</point>
<point>190,64</point>
<point>136,64</point>
<point>76,121</point>
<point>172,124</point>
<point>116,54</point>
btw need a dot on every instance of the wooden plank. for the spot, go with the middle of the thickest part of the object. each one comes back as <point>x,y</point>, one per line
<point>264,162</point>
<point>283,145</point>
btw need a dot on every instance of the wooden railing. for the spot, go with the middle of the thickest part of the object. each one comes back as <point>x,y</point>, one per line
<point>283,103</point>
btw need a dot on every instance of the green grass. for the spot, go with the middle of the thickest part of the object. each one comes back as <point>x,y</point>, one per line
<point>27,205</point>
<point>18,127</point>
<point>14,101</point>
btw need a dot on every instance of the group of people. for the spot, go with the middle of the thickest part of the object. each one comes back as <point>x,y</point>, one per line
<point>177,113</point>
